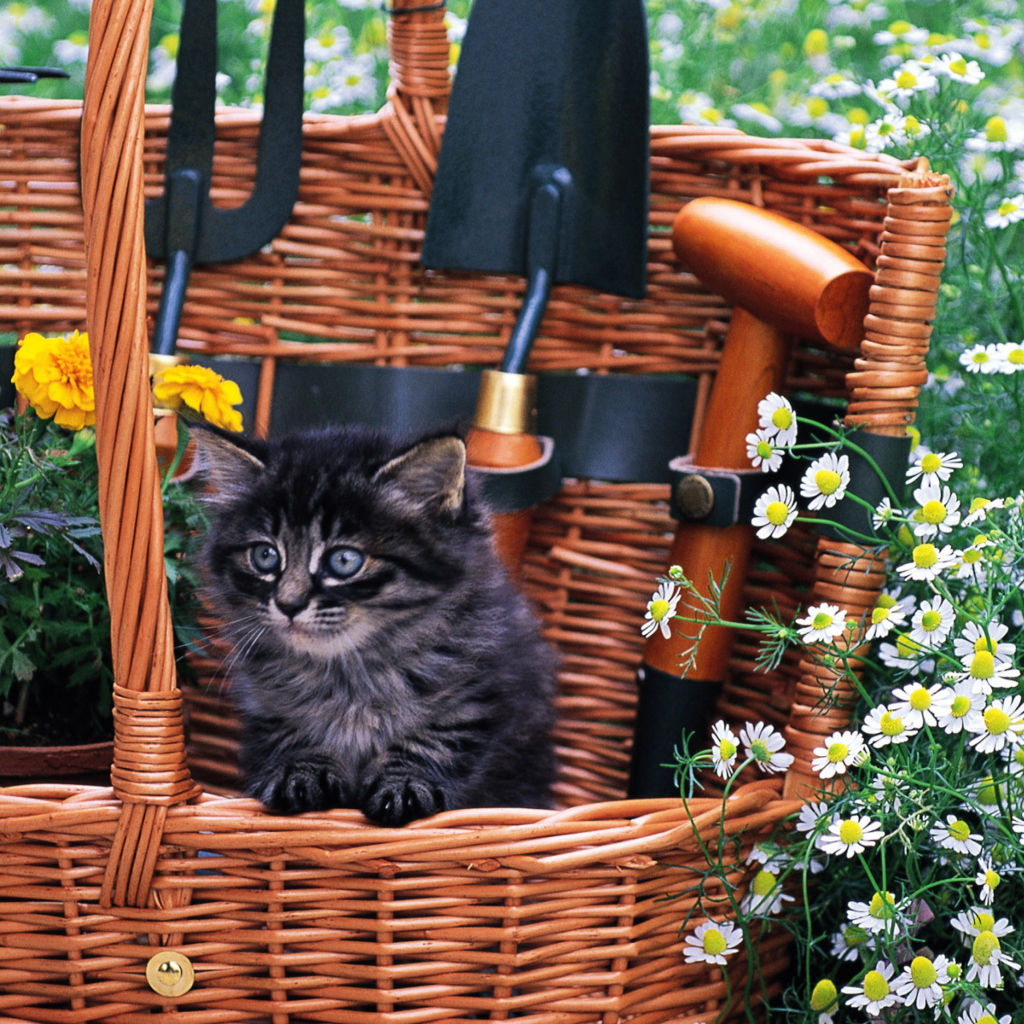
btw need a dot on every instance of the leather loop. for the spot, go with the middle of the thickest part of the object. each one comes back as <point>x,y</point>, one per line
<point>522,487</point>
<point>733,493</point>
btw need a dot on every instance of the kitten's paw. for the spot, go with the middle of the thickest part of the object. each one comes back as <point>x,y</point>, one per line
<point>312,784</point>
<point>395,799</point>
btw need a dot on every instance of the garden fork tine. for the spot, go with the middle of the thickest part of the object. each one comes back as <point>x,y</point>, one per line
<point>183,226</point>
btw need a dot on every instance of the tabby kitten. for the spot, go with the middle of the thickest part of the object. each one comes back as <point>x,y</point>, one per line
<point>382,659</point>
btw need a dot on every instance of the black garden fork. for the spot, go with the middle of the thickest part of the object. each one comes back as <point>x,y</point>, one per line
<point>183,226</point>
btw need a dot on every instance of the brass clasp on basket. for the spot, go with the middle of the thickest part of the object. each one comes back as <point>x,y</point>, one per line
<point>170,973</point>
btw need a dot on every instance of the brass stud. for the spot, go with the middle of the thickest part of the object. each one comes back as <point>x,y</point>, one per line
<point>694,497</point>
<point>170,973</point>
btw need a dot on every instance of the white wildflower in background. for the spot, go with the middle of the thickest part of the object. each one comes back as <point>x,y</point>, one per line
<point>920,705</point>
<point>980,508</point>
<point>889,130</point>
<point>981,1013</point>
<point>884,514</point>
<point>908,79</point>
<point>764,745</point>
<point>928,562</point>
<point>872,993</point>
<point>986,960</point>
<point>823,623</point>
<point>850,835</point>
<point>660,609</point>
<point>890,610</point>
<point>885,728</point>
<point>777,418</point>
<point>774,511</point>
<point>765,895</point>
<point>849,941</point>
<point>955,834</point>
<point>980,358</point>
<point>761,452</point>
<point>985,672</point>
<point>724,749</point>
<point>840,750</point>
<point>932,622</point>
<point>826,480</point>
<point>811,817</point>
<point>966,705</point>
<point>879,914</point>
<point>955,66</point>
<point>934,466</point>
<point>711,942</point>
<point>939,510</point>
<point>982,638</point>
<point>906,654</point>
<point>1010,356</point>
<point>921,982</point>
<point>1008,212</point>
<point>987,879</point>
<point>1001,723</point>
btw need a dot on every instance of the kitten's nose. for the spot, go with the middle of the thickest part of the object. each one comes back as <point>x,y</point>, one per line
<point>291,608</point>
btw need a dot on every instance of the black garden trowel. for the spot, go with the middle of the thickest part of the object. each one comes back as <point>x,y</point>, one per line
<point>543,173</point>
<point>183,226</point>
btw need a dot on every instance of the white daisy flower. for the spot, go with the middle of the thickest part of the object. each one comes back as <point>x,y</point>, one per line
<point>835,86</point>
<point>934,466</point>
<point>811,817</point>
<point>823,623</point>
<point>906,654</point>
<point>761,452</point>
<point>928,562</point>
<point>981,1013</point>
<point>660,609</point>
<point>977,638</point>
<point>884,514</point>
<point>956,835</point>
<point>966,704</point>
<point>880,914</point>
<point>1002,722</point>
<point>711,942</point>
<point>884,727</point>
<point>774,511</point>
<point>872,993</point>
<point>958,68</point>
<point>939,510</point>
<point>987,879</point>
<point>776,416</point>
<point>1008,212</point>
<point>981,358</point>
<point>985,672</point>
<point>765,895</point>
<point>972,562</point>
<point>848,942</point>
<point>986,959</point>
<point>890,610</point>
<point>889,130</point>
<point>1010,356</point>
<point>841,750</point>
<point>850,836</point>
<point>980,508</point>
<point>724,748</point>
<point>764,744</point>
<point>921,982</point>
<point>979,920</point>
<point>920,705</point>
<point>932,622</point>
<point>826,480</point>
<point>901,32</point>
<point>907,80</point>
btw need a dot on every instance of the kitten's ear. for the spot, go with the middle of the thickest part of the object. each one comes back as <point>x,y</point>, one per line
<point>225,462</point>
<point>432,474</point>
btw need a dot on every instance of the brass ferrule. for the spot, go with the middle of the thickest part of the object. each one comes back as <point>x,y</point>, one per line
<point>507,403</point>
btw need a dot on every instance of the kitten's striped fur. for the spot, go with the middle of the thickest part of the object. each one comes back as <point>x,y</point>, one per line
<point>382,658</point>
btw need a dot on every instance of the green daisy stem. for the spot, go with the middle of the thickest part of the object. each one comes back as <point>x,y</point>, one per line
<point>866,539</point>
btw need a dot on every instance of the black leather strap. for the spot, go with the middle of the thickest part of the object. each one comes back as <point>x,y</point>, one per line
<point>729,494</point>
<point>512,490</point>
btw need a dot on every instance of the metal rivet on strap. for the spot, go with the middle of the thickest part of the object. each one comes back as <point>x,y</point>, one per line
<point>170,973</point>
<point>694,497</point>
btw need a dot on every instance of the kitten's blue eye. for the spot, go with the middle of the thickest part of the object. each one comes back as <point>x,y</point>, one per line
<point>344,562</point>
<point>264,558</point>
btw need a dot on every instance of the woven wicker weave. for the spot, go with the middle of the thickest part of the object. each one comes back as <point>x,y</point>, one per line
<point>543,916</point>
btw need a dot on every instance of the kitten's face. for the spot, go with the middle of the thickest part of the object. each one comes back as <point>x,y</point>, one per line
<point>323,543</point>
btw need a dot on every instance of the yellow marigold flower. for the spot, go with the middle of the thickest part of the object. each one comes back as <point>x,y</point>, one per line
<point>201,389</point>
<point>54,375</point>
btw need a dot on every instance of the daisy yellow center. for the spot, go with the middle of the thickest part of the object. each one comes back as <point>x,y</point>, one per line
<point>850,832</point>
<point>907,648</point>
<point>765,450</point>
<point>838,752</point>
<point>1018,757</point>
<point>988,792</point>
<point>985,945</point>
<point>659,609</point>
<point>983,922</point>
<point>986,1018</point>
<point>920,699</point>
<point>1005,207</point>
<point>824,997</point>
<point>906,80</point>
<point>995,129</point>
<point>958,67</point>
<point>875,986</point>
<point>714,942</point>
<point>1016,356</point>
<point>891,725</point>
<point>827,481</point>
<point>931,463</point>
<point>983,645</point>
<point>760,751</point>
<point>997,721</point>
<point>886,601</point>
<point>992,879</point>
<point>881,908</point>
<point>959,831</point>
<point>776,512</point>
<point>726,749</point>
<point>925,556</point>
<point>922,972</point>
<point>879,615</point>
<point>934,512</point>
<point>822,620</point>
<point>979,503</point>
<point>972,556</point>
<point>983,665</point>
<point>855,937</point>
<point>961,705</point>
<point>764,883</point>
<point>782,418</point>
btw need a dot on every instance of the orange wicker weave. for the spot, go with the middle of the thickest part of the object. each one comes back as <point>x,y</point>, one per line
<point>546,916</point>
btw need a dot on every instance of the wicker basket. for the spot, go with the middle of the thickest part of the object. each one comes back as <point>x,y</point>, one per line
<point>539,915</point>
